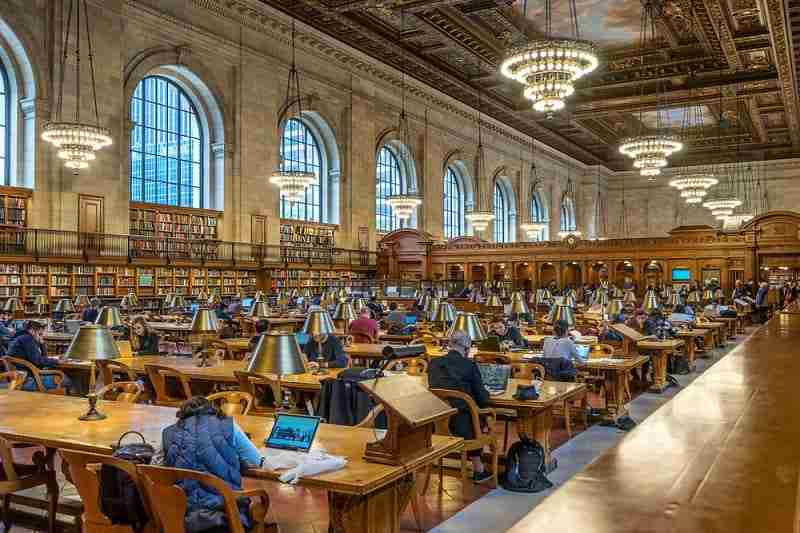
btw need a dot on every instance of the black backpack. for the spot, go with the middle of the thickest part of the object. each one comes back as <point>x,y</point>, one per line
<point>525,468</point>
<point>120,500</point>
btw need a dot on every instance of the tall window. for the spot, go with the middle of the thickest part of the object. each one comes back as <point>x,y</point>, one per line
<point>500,214</point>
<point>389,181</point>
<point>166,145</point>
<point>567,215</point>
<point>300,150</point>
<point>537,214</point>
<point>5,129</point>
<point>453,206</point>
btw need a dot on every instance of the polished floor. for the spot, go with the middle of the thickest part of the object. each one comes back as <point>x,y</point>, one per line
<point>452,507</point>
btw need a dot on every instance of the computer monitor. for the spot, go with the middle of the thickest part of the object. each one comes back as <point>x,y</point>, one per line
<point>293,432</point>
<point>247,302</point>
<point>681,274</point>
<point>410,319</point>
<point>583,351</point>
<point>194,308</point>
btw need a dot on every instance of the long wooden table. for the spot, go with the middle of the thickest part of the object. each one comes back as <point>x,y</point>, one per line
<point>721,456</point>
<point>659,351</point>
<point>362,496</point>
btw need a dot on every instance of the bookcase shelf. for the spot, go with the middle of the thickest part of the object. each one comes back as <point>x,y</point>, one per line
<point>317,280</point>
<point>14,206</point>
<point>178,231</point>
<point>307,243</point>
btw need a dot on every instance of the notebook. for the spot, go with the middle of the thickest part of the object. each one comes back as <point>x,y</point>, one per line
<point>494,377</point>
<point>293,432</point>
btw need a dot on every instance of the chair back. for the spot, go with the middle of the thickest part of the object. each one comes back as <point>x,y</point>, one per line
<point>362,338</point>
<point>232,403</point>
<point>169,500</point>
<point>443,425</point>
<point>158,375</point>
<point>110,368</point>
<point>600,351</point>
<point>86,478</point>
<point>528,371</point>
<point>495,359</point>
<point>121,391</point>
<point>255,385</point>
<point>219,349</point>
<point>15,379</point>
<point>15,365</point>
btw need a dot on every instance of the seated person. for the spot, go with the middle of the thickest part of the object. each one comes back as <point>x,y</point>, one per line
<point>235,307</point>
<point>637,321</point>
<point>455,372</point>
<point>262,325</point>
<point>91,312</point>
<point>608,334</point>
<point>560,345</point>
<point>144,341</point>
<point>332,351</point>
<point>364,326</point>
<point>417,311</point>
<point>375,307</point>
<point>29,345</point>
<point>6,326</point>
<point>656,324</point>
<point>507,333</point>
<point>395,319</point>
<point>465,292</point>
<point>205,440</point>
<point>679,314</point>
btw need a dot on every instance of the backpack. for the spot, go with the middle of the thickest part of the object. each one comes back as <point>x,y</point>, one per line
<point>525,468</point>
<point>120,500</point>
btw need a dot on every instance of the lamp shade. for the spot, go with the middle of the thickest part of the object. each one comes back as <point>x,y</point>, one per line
<point>570,300</point>
<point>359,304</point>
<point>92,342</point>
<point>178,301</point>
<point>306,293</point>
<point>615,307</point>
<point>318,322</point>
<point>278,354</point>
<point>259,309</point>
<point>259,297</point>
<point>341,293</point>
<point>40,299</point>
<point>202,295</point>
<point>133,298</point>
<point>204,321</point>
<point>517,295</point>
<point>12,305</point>
<point>82,300</point>
<point>565,313</point>
<point>519,307</point>
<point>494,301</point>
<point>674,300</point>
<point>616,292</point>
<point>445,312</point>
<point>650,301</point>
<point>109,317</point>
<point>423,301</point>
<point>65,306</point>
<point>344,311</point>
<point>694,297</point>
<point>708,295</point>
<point>630,297</point>
<point>469,324</point>
<point>433,306</point>
<point>600,297</point>
<point>542,297</point>
<point>168,300</point>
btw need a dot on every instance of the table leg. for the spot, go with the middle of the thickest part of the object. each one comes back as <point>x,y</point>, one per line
<point>376,512</point>
<point>536,425</point>
<point>615,395</point>
<point>659,361</point>
<point>690,351</point>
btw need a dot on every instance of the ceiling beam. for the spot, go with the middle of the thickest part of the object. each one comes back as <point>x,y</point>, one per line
<point>755,117</point>
<point>780,35</point>
<point>718,15</point>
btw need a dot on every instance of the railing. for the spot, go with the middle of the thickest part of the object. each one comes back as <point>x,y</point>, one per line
<point>47,243</point>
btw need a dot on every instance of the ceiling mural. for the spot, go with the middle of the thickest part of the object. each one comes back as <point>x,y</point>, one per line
<point>737,52</point>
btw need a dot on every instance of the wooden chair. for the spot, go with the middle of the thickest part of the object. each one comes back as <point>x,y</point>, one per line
<point>478,443</point>
<point>168,501</point>
<point>15,379</point>
<point>85,475</point>
<point>220,350</point>
<point>232,403</point>
<point>19,477</point>
<point>255,385</point>
<point>362,338</point>
<point>15,365</point>
<point>413,367</point>
<point>158,375</point>
<point>110,370</point>
<point>121,391</point>
<point>494,359</point>
<point>527,371</point>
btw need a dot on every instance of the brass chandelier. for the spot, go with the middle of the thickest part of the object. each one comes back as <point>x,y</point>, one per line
<point>650,148</point>
<point>292,182</point>
<point>75,140</point>
<point>550,66</point>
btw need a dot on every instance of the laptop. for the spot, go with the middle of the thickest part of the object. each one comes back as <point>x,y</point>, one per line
<point>583,351</point>
<point>72,326</point>
<point>490,344</point>
<point>495,377</point>
<point>410,320</point>
<point>293,432</point>
<point>247,302</point>
<point>125,349</point>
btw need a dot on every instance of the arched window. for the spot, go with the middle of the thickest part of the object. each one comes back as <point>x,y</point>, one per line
<point>567,215</point>
<point>5,126</point>
<point>389,182</point>
<point>167,145</point>
<point>300,150</point>
<point>453,205</point>
<point>538,214</point>
<point>501,215</point>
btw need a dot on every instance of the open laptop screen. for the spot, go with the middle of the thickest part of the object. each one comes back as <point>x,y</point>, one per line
<point>293,432</point>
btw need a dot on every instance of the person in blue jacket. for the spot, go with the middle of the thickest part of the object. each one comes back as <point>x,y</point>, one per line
<point>29,345</point>
<point>91,312</point>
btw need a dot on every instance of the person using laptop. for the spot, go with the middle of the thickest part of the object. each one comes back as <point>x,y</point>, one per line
<point>396,319</point>
<point>561,344</point>
<point>507,333</point>
<point>91,312</point>
<point>455,372</point>
<point>29,345</point>
<point>375,306</point>
<point>364,327</point>
<point>332,351</point>
<point>144,341</point>
<point>205,440</point>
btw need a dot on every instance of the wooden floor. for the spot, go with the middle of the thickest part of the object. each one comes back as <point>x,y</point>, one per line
<point>722,456</point>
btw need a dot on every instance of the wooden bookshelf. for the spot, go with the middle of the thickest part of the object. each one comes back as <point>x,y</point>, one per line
<point>306,243</point>
<point>281,278</point>
<point>14,206</point>
<point>173,230</point>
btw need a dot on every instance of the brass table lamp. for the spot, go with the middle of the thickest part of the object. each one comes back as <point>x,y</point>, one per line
<point>259,310</point>
<point>445,314</point>
<point>494,301</point>
<point>202,296</point>
<point>133,299</point>
<point>674,300</point>
<point>278,354</point>
<point>318,322</point>
<point>178,302</point>
<point>82,300</point>
<point>432,306</point>
<point>259,297</point>
<point>92,343</point>
<point>565,313</point>
<point>14,306</point>
<point>519,307</point>
<point>650,302</point>
<point>345,313</point>
<point>469,324</point>
<point>64,306</point>
<point>204,326</point>
<point>41,302</point>
<point>615,307</point>
<point>109,317</point>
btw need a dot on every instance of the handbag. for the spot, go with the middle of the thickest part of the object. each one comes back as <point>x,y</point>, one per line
<point>119,497</point>
<point>526,392</point>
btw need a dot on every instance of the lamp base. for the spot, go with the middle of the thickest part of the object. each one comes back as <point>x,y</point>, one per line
<point>92,414</point>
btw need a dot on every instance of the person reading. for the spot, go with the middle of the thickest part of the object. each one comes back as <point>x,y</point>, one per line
<point>364,326</point>
<point>508,334</point>
<point>29,345</point>
<point>455,372</point>
<point>144,341</point>
<point>333,353</point>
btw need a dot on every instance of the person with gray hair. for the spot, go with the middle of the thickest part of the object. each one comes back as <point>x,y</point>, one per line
<point>455,371</point>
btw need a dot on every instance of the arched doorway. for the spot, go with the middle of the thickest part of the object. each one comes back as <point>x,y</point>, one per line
<point>547,274</point>
<point>571,276</point>
<point>523,276</point>
<point>653,274</point>
<point>624,274</point>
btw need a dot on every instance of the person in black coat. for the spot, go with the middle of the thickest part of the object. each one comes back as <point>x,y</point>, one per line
<point>91,312</point>
<point>455,372</point>
<point>29,345</point>
<point>507,333</point>
<point>332,351</point>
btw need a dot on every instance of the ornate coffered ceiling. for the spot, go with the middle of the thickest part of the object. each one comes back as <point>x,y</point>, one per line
<point>727,54</point>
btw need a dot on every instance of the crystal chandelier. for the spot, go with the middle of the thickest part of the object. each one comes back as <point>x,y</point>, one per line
<point>650,147</point>
<point>722,207</point>
<point>76,141</point>
<point>479,216</point>
<point>549,67</point>
<point>292,182</point>
<point>694,187</point>
<point>405,204</point>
